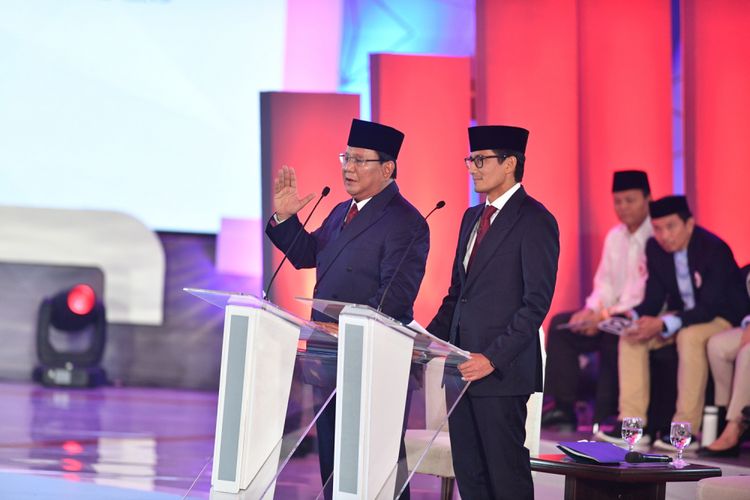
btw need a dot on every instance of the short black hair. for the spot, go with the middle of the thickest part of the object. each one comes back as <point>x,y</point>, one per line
<point>520,161</point>
<point>385,157</point>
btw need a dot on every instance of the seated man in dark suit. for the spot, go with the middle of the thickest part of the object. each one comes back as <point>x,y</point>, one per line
<point>358,248</point>
<point>694,291</point>
<point>618,287</point>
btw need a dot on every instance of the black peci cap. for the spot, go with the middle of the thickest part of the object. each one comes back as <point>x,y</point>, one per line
<point>498,137</point>
<point>371,135</point>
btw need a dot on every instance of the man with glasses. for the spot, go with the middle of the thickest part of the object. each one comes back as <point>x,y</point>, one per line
<point>357,250</point>
<point>503,278</point>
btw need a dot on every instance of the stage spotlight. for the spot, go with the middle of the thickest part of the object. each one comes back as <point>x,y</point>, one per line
<point>70,338</point>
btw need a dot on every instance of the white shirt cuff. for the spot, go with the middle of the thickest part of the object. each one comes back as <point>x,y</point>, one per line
<point>672,323</point>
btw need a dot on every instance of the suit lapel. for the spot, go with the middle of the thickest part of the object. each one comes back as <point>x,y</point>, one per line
<point>372,212</point>
<point>497,233</point>
<point>473,217</point>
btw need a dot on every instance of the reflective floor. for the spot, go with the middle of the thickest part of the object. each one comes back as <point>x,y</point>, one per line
<point>153,444</point>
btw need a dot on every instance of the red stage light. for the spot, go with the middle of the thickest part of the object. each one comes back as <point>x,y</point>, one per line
<point>81,299</point>
<point>72,447</point>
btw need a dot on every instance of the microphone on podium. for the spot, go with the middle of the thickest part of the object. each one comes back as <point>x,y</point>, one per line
<point>635,457</point>
<point>438,206</point>
<point>323,194</point>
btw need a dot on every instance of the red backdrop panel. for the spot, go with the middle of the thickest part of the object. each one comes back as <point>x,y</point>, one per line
<point>527,76</point>
<point>717,107</point>
<point>626,110</point>
<point>428,98</point>
<point>307,132</point>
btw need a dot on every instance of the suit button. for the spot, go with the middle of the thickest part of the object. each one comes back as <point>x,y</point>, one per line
<point>335,296</point>
<point>348,269</point>
<point>464,301</point>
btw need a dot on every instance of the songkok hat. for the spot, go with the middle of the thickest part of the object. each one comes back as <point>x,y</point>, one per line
<point>669,205</point>
<point>630,179</point>
<point>371,135</point>
<point>498,137</point>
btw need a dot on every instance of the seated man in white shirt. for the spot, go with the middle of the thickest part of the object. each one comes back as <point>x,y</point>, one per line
<point>618,286</point>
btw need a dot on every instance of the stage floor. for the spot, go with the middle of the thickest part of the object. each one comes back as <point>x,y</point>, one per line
<point>153,444</point>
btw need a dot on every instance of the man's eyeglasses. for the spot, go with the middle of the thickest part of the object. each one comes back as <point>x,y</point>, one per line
<point>478,160</point>
<point>358,162</point>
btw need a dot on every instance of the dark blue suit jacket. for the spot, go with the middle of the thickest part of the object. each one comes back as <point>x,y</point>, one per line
<point>356,263</point>
<point>498,307</point>
<point>718,283</point>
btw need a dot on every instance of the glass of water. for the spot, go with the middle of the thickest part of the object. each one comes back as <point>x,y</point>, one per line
<point>632,430</point>
<point>680,435</point>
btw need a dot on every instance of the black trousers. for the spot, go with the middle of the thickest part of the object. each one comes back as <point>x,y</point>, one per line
<point>563,371</point>
<point>487,442</point>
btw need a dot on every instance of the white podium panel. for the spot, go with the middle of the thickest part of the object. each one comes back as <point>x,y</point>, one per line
<point>266,407</point>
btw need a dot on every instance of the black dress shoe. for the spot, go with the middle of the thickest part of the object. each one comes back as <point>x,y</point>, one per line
<point>732,452</point>
<point>556,417</point>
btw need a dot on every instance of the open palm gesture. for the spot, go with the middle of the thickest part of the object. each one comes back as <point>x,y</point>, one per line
<point>286,201</point>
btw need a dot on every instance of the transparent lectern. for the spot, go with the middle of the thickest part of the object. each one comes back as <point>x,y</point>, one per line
<point>380,392</point>
<point>277,375</point>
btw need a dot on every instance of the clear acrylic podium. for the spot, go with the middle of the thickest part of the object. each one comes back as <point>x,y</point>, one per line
<point>277,375</point>
<point>380,392</point>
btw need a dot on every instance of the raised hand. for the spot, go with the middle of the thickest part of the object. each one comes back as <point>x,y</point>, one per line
<point>286,201</point>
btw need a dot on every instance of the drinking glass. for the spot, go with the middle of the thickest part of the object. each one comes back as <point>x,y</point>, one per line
<point>680,436</point>
<point>632,430</point>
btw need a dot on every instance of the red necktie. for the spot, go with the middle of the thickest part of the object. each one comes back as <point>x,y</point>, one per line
<point>352,212</point>
<point>484,226</point>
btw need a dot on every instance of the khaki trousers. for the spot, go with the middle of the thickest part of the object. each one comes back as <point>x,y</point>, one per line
<point>692,372</point>
<point>730,366</point>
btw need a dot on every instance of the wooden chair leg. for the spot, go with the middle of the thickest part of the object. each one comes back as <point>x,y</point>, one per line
<point>446,488</point>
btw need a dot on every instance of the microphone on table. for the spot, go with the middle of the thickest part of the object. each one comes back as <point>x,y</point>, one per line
<point>438,206</point>
<point>634,457</point>
<point>323,194</point>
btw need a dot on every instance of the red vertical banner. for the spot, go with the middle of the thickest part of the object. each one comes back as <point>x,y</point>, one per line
<point>428,98</point>
<point>625,108</point>
<point>527,75</point>
<point>307,132</point>
<point>717,107</point>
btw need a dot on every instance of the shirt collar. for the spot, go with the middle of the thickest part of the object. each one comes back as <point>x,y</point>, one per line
<point>360,204</point>
<point>500,202</point>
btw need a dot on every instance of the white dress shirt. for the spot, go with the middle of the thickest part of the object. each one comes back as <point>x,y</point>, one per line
<point>620,279</point>
<point>499,203</point>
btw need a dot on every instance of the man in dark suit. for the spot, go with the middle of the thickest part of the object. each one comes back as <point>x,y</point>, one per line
<point>502,283</point>
<point>359,245</point>
<point>694,290</point>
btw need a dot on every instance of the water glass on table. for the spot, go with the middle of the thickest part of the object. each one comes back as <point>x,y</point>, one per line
<point>632,430</point>
<point>680,435</point>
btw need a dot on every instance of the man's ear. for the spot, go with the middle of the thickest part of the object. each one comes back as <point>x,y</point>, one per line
<point>388,169</point>
<point>510,164</point>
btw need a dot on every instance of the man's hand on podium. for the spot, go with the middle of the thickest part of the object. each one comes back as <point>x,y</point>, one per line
<point>286,200</point>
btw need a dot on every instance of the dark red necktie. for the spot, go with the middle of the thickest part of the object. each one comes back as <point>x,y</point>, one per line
<point>484,226</point>
<point>352,212</point>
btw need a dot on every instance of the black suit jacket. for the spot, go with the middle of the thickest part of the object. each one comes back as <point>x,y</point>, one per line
<point>498,307</point>
<point>355,263</point>
<point>717,281</point>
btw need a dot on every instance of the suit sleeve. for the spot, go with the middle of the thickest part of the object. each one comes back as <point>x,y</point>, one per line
<point>402,293</point>
<point>540,250</point>
<point>305,250</point>
<point>717,280</point>
<point>441,323</point>
<point>656,294</point>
